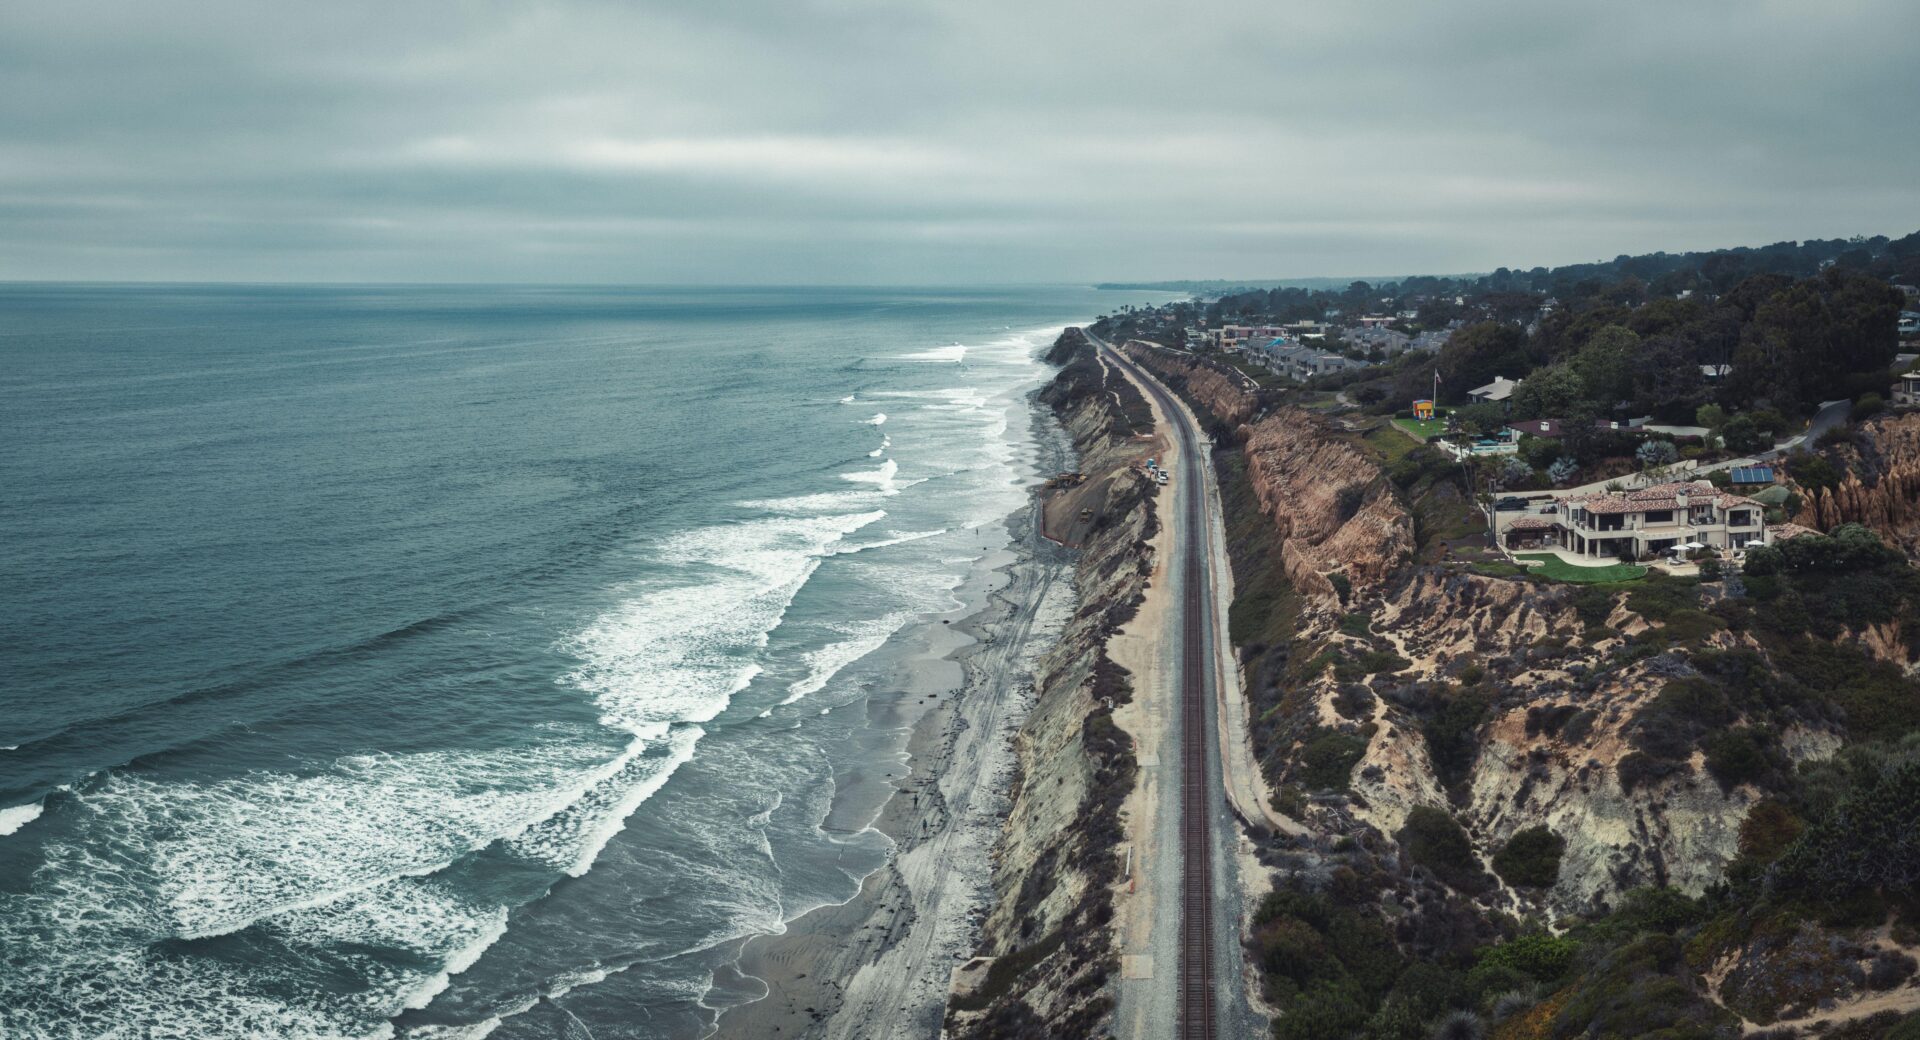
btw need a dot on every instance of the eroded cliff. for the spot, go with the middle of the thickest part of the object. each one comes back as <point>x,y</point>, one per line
<point>1879,484</point>
<point>1046,948</point>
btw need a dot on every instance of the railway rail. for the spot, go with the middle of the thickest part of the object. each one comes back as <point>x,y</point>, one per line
<point>1198,996</point>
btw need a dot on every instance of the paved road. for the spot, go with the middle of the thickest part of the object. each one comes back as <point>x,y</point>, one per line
<point>1196,986</point>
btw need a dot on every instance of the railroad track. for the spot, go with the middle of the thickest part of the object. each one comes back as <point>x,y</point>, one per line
<point>1196,1013</point>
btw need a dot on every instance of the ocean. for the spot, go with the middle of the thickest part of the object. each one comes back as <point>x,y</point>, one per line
<point>435,662</point>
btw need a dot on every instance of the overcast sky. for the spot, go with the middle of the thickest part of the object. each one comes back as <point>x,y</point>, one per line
<point>898,141</point>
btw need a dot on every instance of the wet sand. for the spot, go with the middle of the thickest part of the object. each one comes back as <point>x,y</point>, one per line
<point>878,966</point>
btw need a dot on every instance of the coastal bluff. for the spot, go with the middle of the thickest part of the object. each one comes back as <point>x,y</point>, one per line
<point>1046,950</point>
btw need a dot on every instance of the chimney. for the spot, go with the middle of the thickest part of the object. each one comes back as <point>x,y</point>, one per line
<point>1545,426</point>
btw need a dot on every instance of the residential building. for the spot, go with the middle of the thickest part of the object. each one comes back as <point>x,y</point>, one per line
<point>1431,340</point>
<point>1497,391</point>
<point>1554,429</point>
<point>1387,341</point>
<point>1232,337</point>
<point>1551,429</point>
<point>1906,393</point>
<point>1643,523</point>
<point>1715,371</point>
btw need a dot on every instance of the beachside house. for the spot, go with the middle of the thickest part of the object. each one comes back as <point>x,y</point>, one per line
<point>1233,337</point>
<point>1552,429</point>
<point>1642,523</point>
<point>1496,392</point>
<point>1906,393</point>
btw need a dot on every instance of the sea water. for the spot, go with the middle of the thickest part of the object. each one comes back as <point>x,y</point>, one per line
<point>433,661</point>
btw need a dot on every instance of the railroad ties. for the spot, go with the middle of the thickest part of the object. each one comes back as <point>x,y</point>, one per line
<point>1196,1013</point>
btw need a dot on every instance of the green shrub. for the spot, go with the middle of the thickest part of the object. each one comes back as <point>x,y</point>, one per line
<point>1538,955</point>
<point>1768,829</point>
<point>1593,605</point>
<point>1640,990</point>
<point>1870,839</point>
<point>1326,762</point>
<point>1744,755</point>
<point>1433,839</point>
<point>1451,736</point>
<point>1531,858</point>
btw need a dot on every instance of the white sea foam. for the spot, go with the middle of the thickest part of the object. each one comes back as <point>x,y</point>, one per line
<point>950,355</point>
<point>826,662</point>
<point>881,478</point>
<point>572,839</point>
<point>818,502</point>
<point>17,817</point>
<point>885,443</point>
<point>223,854</point>
<point>893,538</point>
<point>847,399</point>
<point>879,419</point>
<point>683,643</point>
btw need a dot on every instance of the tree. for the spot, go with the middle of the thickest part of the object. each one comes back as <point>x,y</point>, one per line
<point>1667,382</point>
<point>1548,393</point>
<point>1605,365</point>
<point>1539,451</point>
<point>1530,858</point>
<point>1563,469</point>
<point>1515,471</point>
<point>1714,418</point>
<point>1482,417</point>
<point>1476,354</point>
<point>1744,435</point>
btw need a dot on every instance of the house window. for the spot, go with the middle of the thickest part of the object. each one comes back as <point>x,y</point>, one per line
<point>1659,516</point>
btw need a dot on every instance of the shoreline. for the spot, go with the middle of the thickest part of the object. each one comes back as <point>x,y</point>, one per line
<point>879,964</point>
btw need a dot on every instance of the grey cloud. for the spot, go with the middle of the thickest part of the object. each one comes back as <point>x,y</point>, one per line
<point>860,140</point>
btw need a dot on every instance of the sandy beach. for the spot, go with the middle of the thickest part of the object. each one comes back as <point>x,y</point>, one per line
<point>879,965</point>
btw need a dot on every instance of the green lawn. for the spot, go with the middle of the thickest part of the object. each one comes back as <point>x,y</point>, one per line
<point>1422,429</point>
<point>1560,570</point>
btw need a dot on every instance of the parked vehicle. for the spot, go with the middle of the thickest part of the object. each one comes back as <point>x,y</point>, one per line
<point>1510,505</point>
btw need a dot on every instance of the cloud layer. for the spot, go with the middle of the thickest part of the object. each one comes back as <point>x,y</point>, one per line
<point>899,141</point>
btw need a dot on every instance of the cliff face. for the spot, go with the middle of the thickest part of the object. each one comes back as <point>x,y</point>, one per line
<point>1219,390</point>
<point>1880,486</point>
<point>1554,726</point>
<point>1329,503</point>
<point>1326,497</point>
<point>1046,947</point>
